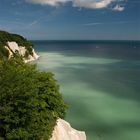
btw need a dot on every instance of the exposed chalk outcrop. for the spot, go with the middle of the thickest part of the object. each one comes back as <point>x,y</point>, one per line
<point>63,131</point>
<point>32,57</point>
<point>13,47</point>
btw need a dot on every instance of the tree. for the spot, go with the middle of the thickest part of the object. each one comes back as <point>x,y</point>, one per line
<point>30,102</point>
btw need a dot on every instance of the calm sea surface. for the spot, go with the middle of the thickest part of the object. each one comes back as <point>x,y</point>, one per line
<point>101,83</point>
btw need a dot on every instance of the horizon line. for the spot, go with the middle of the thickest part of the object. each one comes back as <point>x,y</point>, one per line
<point>82,40</point>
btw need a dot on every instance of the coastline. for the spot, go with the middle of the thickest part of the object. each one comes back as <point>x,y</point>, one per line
<point>32,58</point>
<point>62,129</point>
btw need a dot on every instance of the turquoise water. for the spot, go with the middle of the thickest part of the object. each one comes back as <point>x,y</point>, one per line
<point>101,84</point>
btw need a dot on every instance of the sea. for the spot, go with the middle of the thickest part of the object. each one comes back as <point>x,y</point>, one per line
<point>100,81</point>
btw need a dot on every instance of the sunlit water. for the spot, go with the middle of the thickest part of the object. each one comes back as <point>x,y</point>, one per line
<point>101,84</point>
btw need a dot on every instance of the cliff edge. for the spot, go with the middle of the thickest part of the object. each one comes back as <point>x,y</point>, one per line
<point>13,44</point>
<point>13,48</point>
<point>63,131</point>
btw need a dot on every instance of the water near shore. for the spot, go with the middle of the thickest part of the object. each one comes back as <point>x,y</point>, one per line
<point>101,83</point>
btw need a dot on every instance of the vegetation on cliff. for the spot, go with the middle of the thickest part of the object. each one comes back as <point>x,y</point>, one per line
<point>30,102</point>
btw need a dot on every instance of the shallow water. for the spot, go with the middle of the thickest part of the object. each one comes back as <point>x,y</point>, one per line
<point>101,84</point>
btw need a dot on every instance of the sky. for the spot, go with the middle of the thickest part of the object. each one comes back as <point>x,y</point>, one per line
<point>72,19</point>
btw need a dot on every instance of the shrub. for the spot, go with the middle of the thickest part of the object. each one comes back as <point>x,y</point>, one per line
<point>4,53</point>
<point>30,102</point>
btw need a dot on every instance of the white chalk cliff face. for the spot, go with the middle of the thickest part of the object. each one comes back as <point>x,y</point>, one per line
<point>63,131</point>
<point>13,47</point>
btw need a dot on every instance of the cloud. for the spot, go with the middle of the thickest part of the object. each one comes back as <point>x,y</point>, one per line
<point>118,8</point>
<point>93,4</point>
<point>48,2</point>
<point>105,23</point>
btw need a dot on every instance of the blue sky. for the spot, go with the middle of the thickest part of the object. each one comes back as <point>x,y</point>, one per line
<point>72,19</point>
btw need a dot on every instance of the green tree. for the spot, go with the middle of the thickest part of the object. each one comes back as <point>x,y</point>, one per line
<point>30,102</point>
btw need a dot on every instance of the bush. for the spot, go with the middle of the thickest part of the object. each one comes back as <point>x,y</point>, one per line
<point>30,102</point>
<point>4,53</point>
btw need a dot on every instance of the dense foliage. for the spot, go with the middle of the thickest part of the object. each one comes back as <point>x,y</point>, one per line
<point>4,53</point>
<point>30,102</point>
<point>21,41</point>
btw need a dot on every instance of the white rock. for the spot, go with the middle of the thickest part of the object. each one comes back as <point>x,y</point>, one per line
<point>63,131</point>
<point>13,47</point>
<point>22,51</point>
<point>35,55</point>
<point>32,57</point>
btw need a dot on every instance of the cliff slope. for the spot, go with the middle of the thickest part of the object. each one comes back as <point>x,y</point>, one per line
<point>63,131</point>
<point>13,44</point>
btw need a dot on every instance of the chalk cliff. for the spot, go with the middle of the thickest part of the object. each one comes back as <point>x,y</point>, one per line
<point>63,131</point>
<point>13,44</point>
<point>13,47</point>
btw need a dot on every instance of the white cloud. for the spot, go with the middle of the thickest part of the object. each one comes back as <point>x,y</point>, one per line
<point>93,4</point>
<point>118,8</point>
<point>48,2</point>
<point>105,23</point>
